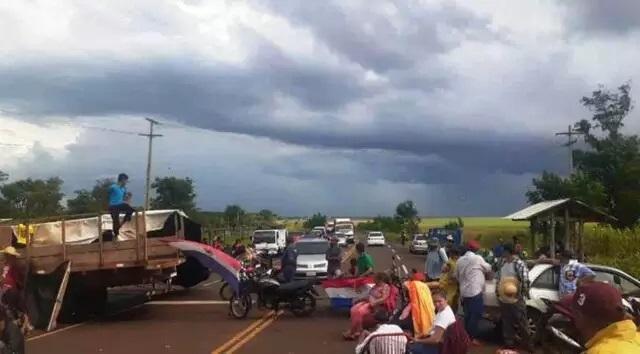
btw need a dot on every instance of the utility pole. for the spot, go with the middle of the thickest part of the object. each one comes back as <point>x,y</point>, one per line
<point>570,133</point>
<point>150,136</point>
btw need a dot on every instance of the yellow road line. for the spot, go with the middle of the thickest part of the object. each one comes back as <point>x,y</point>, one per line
<point>252,326</point>
<point>254,333</point>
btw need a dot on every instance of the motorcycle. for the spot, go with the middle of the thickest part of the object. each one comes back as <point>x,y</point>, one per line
<point>297,296</point>
<point>261,265</point>
<point>556,330</point>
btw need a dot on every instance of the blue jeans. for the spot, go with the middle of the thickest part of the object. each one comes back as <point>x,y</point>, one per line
<point>473,308</point>
<point>419,348</point>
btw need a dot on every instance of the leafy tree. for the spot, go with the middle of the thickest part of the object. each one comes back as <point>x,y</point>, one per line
<point>234,215</point>
<point>94,201</point>
<point>174,193</point>
<point>318,219</point>
<point>266,218</point>
<point>382,223</point>
<point>608,173</point>
<point>454,224</point>
<point>31,198</point>
<point>407,215</point>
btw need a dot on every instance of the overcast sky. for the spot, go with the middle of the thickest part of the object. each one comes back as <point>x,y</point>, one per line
<point>343,107</point>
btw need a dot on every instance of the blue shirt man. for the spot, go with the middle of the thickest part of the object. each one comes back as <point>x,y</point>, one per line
<point>570,273</point>
<point>117,192</point>
<point>436,258</point>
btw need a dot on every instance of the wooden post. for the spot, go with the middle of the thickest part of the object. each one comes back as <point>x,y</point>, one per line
<point>580,241</point>
<point>57,305</point>
<point>144,235</point>
<point>552,221</point>
<point>137,226</point>
<point>100,240</point>
<point>63,231</point>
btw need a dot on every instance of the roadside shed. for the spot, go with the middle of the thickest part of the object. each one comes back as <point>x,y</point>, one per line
<point>572,213</point>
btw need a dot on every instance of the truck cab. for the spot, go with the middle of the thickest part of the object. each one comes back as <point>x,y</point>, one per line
<point>269,242</point>
<point>346,227</point>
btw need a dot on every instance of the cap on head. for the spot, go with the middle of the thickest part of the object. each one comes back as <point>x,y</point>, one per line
<point>598,301</point>
<point>123,177</point>
<point>473,245</point>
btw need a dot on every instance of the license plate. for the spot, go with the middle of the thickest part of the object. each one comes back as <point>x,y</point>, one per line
<point>311,274</point>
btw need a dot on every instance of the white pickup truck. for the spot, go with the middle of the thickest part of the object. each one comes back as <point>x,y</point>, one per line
<point>545,279</point>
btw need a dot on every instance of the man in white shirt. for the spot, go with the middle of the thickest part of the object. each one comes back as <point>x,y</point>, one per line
<point>444,318</point>
<point>471,270</point>
<point>379,337</point>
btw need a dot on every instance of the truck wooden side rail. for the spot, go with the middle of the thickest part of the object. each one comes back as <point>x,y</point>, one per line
<point>98,265</point>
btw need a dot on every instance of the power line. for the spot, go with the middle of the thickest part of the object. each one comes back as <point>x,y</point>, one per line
<point>570,133</point>
<point>150,135</point>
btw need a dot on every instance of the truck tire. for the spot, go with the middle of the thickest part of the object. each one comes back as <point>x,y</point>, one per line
<point>191,273</point>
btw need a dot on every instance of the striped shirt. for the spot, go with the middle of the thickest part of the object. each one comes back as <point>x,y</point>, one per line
<point>387,339</point>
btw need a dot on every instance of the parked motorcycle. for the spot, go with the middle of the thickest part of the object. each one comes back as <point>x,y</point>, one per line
<point>556,330</point>
<point>296,296</point>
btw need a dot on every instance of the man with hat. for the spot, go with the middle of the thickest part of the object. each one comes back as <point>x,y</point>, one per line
<point>471,270</point>
<point>599,317</point>
<point>512,291</point>
<point>436,258</point>
<point>334,258</point>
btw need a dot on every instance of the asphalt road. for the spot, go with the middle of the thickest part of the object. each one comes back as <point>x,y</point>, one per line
<point>195,321</point>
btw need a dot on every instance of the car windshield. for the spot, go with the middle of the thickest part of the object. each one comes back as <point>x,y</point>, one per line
<point>420,238</point>
<point>347,227</point>
<point>375,234</point>
<point>312,247</point>
<point>264,237</point>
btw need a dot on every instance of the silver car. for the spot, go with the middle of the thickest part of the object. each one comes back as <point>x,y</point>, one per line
<point>311,258</point>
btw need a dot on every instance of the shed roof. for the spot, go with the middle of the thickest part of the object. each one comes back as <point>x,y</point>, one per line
<point>577,209</point>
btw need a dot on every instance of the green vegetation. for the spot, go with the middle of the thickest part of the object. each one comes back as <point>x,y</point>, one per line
<point>615,248</point>
<point>317,219</point>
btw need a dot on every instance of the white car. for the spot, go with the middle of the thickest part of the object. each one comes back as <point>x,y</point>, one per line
<point>545,280</point>
<point>419,244</point>
<point>342,238</point>
<point>375,238</point>
<point>312,262</point>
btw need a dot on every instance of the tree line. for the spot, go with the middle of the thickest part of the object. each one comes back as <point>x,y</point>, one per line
<point>36,198</point>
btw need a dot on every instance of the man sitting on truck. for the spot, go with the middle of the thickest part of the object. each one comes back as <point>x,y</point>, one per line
<point>119,203</point>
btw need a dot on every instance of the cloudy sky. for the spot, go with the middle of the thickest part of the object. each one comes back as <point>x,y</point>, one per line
<point>344,107</point>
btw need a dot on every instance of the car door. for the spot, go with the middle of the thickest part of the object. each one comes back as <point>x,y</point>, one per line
<point>546,284</point>
<point>624,283</point>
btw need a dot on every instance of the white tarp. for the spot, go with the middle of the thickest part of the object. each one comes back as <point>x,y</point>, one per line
<point>85,231</point>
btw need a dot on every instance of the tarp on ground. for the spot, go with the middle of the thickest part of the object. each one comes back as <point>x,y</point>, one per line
<point>215,260</point>
<point>85,230</point>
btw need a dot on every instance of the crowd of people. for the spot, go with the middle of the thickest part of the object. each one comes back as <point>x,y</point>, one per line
<point>427,321</point>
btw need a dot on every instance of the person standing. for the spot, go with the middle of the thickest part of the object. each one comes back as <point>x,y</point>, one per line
<point>334,258</point>
<point>289,261</point>
<point>600,318</point>
<point>364,261</point>
<point>512,290</point>
<point>448,282</point>
<point>436,258</point>
<point>498,248</point>
<point>572,273</point>
<point>118,204</point>
<point>471,270</point>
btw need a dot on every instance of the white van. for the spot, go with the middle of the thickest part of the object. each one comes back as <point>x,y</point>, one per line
<point>270,242</point>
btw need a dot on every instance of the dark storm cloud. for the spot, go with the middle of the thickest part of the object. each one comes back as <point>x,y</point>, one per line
<point>382,35</point>
<point>604,16</point>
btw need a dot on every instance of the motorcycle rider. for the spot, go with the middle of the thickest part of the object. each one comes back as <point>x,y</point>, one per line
<point>289,261</point>
<point>599,317</point>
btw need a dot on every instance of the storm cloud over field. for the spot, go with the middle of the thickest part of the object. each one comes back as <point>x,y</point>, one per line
<point>347,107</point>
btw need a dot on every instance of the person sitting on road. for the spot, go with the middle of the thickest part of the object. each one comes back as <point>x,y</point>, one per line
<point>448,281</point>
<point>436,258</point>
<point>379,337</point>
<point>444,318</point>
<point>289,261</point>
<point>599,316</point>
<point>378,297</point>
<point>417,316</point>
<point>365,262</point>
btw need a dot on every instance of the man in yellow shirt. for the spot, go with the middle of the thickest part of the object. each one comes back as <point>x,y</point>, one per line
<point>600,317</point>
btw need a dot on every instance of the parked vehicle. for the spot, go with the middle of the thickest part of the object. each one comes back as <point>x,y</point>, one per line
<point>441,234</point>
<point>418,244</point>
<point>342,238</point>
<point>545,279</point>
<point>297,296</point>
<point>311,259</point>
<point>345,226</point>
<point>270,242</point>
<point>375,238</point>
